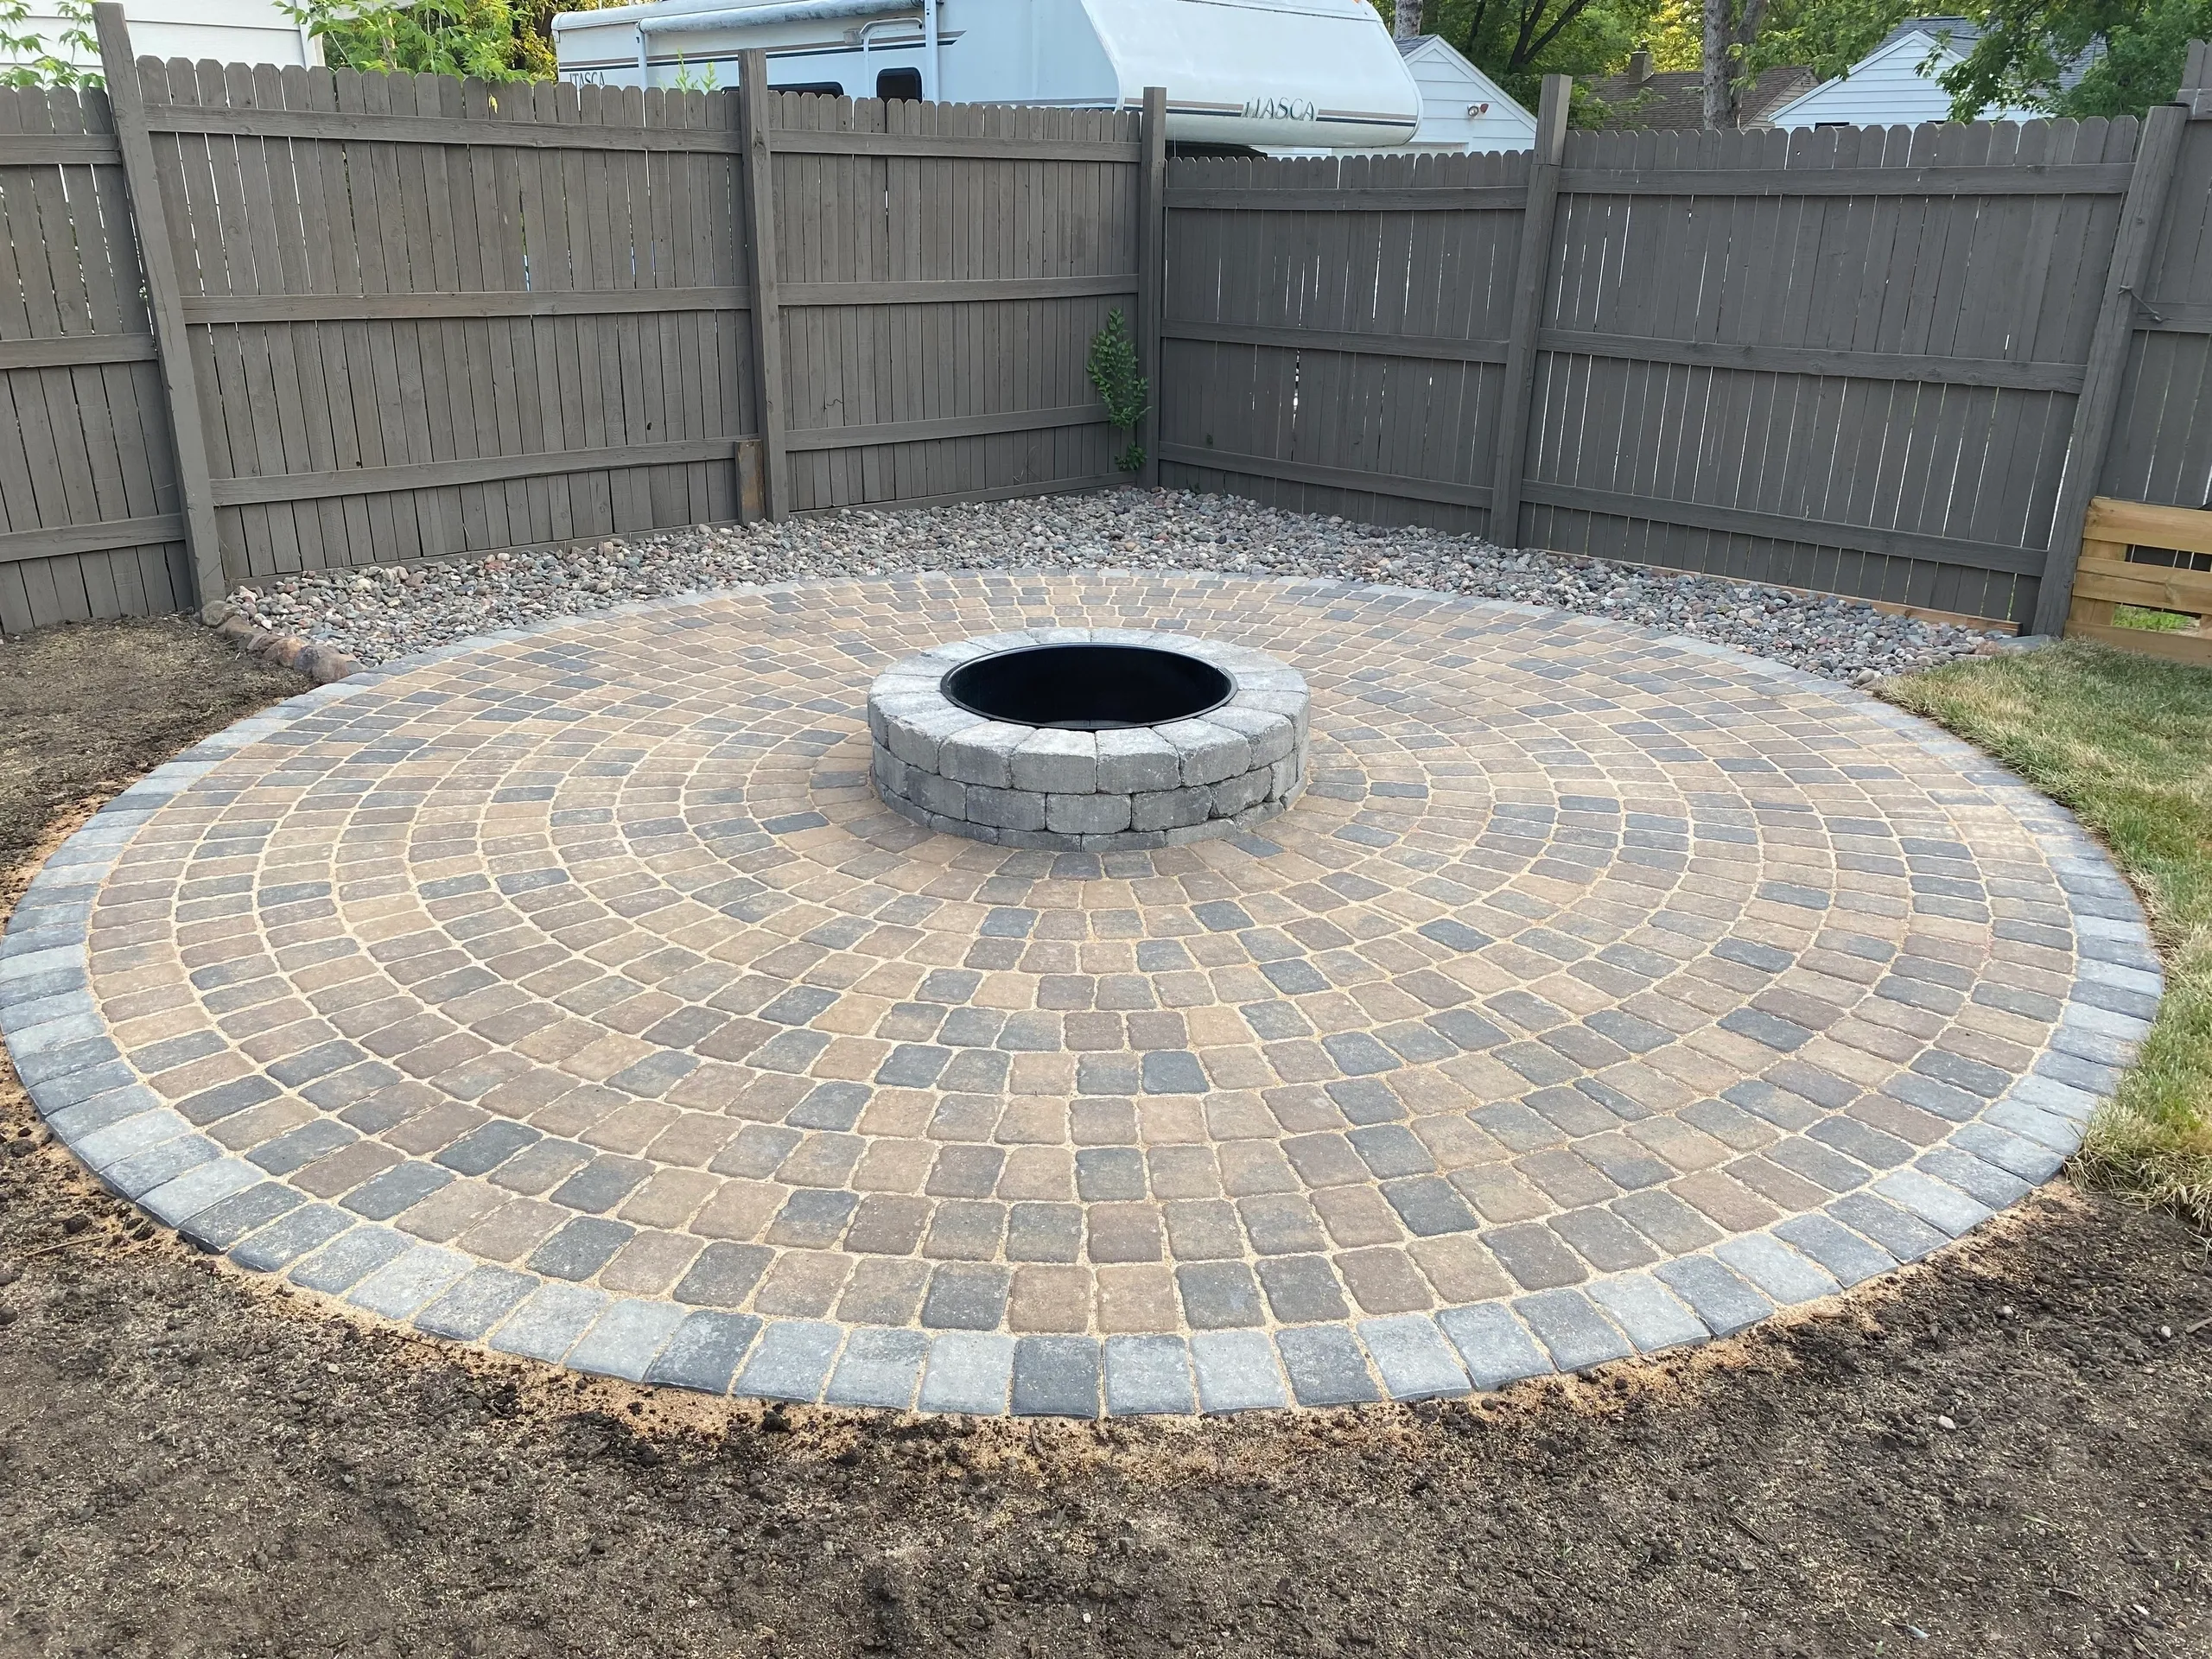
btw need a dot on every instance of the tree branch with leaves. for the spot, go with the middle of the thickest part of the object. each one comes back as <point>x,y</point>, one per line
<point>33,60</point>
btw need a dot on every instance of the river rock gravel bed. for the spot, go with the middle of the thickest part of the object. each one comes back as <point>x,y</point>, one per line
<point>375,613</point>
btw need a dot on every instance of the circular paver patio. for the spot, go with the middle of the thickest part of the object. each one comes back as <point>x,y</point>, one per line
<point>572,993</point>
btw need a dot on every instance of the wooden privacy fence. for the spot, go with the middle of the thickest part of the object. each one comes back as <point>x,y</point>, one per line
<point>1872,361</point>
<point>255,321</point>
<point>262,320</point>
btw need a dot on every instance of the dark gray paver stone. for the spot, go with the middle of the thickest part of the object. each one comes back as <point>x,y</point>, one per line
<point>1056,1377</point>
<point>348,1258</point>
<point>703,1353</point>
<point>1652,1316</point>
<point>224,1221</point>
<point>1302,1289</point>
<point>1325,1366</point>
<point>790,1360</point>
<point>1852,1259</point>
<point>1496,1348</point>
<point>1219,1295</point>
<point>1536,1257</point>
<point>626,1336</point>
<point>1896,1230</point>
<point>968,1372</point>
<point>1415,1360</point>
<point>1573,1330</point>
<point>966,1296</point>
<point>478,1301</point>
<point>724,1274</point>
<point>581,1248</point>
<point>1147,1374</point>
<point>879,1367</point>
<point>1236,1370</point>
<point>400,1187</point>
<point>1718,1297</point>
<point>290,1236</point>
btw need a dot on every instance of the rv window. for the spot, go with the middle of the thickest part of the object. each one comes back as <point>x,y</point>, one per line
<point>834,88</point>
<point>899,83</point>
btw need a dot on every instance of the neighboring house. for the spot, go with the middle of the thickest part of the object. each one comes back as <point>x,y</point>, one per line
<point>1673,100</point>
<point>228,31</point>
<point>1896,84</point>
<point>1461,108</point>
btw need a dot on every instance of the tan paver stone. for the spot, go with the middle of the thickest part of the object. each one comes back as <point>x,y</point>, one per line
<point>651,1264</point>
<point>1136,1300</point>
<point>456,1208</point>
<point>1048,1298</point>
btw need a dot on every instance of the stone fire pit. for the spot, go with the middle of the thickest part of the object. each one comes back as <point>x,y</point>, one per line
<point>1088,739</point>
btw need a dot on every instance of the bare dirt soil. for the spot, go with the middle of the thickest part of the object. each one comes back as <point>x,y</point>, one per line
<point>2005,1452</point>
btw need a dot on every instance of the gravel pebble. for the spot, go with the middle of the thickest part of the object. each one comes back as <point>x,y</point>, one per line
<point>379,612</point>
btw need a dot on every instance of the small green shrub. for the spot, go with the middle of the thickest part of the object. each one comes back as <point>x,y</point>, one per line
<point>1114,370</point>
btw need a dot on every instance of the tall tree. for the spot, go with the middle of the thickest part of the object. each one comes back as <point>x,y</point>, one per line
<point>1731,29</point>
<point>2129,55</point>
<point>1518,42</point>
<point>1827,36</point>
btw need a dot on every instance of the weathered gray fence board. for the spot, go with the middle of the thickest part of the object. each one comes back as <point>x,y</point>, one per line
<point>427,317</point>
<point>2161,449</point>
<point>1840,359</point>
<point>937,298</point>
<point>89,519</point>
<point>423,317</point>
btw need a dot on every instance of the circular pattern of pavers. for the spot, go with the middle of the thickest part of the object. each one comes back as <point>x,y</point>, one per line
<point>1231,766</point>
<point>572,993</point>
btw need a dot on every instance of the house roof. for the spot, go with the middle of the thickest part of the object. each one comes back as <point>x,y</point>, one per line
<point>1673,100</point>
<point>1963,32</point>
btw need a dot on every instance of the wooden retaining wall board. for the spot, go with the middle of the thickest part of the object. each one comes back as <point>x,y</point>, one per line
<point>1842,361</point>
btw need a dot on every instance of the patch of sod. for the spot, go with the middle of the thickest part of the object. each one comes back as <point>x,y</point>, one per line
<point>2126,742</point>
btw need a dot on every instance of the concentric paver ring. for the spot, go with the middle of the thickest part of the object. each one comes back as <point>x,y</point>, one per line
<point>569,992</point>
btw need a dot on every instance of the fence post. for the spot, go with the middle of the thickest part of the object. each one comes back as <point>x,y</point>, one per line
<point>1152,268</point>
<point>2141,215</point>
<point>760,253</point>
<point>165,300</point>
<point>1530,279</point>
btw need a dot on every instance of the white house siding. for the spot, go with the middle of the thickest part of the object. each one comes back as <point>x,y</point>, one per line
<point>1450,88</point>
<point>1885,88</point>
<point>228,31</point>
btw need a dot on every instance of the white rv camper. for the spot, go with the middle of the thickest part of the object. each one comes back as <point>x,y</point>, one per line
<point>1311,73</point>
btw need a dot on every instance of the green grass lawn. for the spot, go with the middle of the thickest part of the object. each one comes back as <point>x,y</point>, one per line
<point>2125,741</point>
